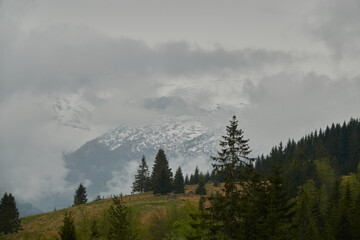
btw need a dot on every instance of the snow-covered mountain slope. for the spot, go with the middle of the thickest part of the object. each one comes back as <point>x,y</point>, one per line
<point>72,111</point>
<point>173,135</point>
<point>117,152</point>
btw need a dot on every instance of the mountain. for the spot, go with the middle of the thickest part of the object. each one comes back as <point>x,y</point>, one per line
<point>107,164</point>
<point>72,111</point>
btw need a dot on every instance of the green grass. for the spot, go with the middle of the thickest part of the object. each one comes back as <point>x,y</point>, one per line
<point>46,225</point>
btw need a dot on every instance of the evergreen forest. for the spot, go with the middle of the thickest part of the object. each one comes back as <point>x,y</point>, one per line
<point>305,189</point>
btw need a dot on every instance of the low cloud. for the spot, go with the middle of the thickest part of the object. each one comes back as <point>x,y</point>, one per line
<point>64,58</point>
<point>101,81</point>
<point>288,105</point>
<point>337,23</point>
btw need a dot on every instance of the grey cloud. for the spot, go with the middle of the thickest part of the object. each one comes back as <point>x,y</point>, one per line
<point>31,145</point>
<point>119,76</point>
<point>65,58</point>
<point>181,59</point>
<point>337,23</point>
<point>172,105</point>
<point>289,105</point>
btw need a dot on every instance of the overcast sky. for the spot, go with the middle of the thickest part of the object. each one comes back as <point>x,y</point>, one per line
<point>283,67</point>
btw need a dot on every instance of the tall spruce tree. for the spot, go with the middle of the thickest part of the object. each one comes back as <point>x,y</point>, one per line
<point>80,196</point>
<point>9,215</point>
<point>68,231</point>
<point>161,174</point>
<point>179,186</point>
<point>142,179</point>
<point>233,162</point>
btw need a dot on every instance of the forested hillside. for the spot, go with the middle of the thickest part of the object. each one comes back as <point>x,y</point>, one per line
<point>337,145</point>
<point>308,189</point>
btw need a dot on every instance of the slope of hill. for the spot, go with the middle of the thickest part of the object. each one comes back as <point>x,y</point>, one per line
<point>46,225</point>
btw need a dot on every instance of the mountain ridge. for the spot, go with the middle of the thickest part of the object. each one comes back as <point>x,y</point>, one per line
<point>100,160</point>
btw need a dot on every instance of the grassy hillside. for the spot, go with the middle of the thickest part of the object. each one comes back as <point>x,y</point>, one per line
<point>46,225</point>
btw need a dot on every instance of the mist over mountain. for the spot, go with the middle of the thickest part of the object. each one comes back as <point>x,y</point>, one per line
<point>107,164</point>
<point>70,71</point>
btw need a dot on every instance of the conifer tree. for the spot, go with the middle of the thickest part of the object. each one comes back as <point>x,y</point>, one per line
<point>233,162</point>
<point>161,174</point>
<point>179,182</point>
<point>142,179</point>
<point>192,181</point>
<point>201,190</point>
<point>251,210</point>
<point>187,179</point>
<point>118,220</point>
<point>9,215</point>
<point>80,196</point>
<point>279,213</point>
<point>196,175</point>
<point>68,231</point>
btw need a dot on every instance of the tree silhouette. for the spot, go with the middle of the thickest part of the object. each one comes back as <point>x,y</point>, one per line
<point>9,215</point>
<point>179,182</point>
<point>80,196</point>
<point>161,174</point>
<point>142,179</point>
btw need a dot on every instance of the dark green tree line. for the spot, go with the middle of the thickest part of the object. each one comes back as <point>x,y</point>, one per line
<point>340,144</point>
